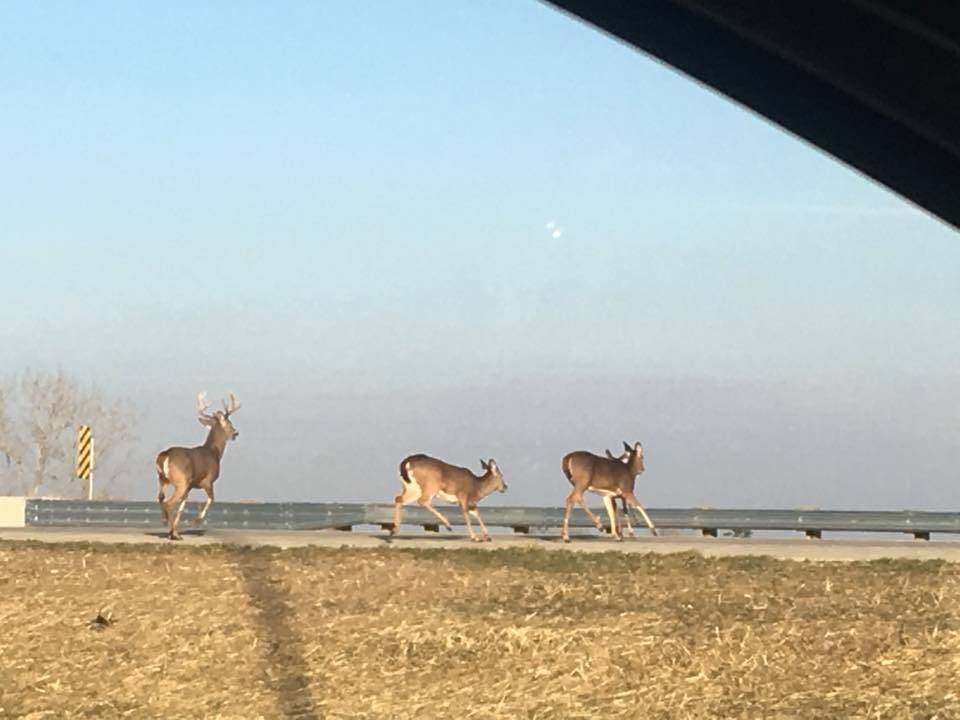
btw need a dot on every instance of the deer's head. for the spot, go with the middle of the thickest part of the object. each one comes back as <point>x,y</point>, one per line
<point>494,471</point>
<point>633,457</point>
<point>220,418</point>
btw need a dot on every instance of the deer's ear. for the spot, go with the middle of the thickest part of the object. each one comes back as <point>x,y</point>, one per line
<point>205,421</point>
<point>638,448</point>
<point>492,464</point>
<point>626,446</point>
<point>483,464</point>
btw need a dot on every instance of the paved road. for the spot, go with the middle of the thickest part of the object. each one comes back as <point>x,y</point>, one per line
<point>784,548</point>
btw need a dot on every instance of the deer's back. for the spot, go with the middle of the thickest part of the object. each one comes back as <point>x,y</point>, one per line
<point>192,464</point>
<point>429,472</point>
<point>584,469</point>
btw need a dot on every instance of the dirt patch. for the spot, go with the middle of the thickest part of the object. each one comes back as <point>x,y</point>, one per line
<point>227,632</point>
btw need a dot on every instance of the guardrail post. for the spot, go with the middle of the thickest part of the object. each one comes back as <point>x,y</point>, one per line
<point>813,534</point>
<point>386,526</point>
<point>521,529</point>
<point>432,528</point>
<point>344,528</point>
<point>708,532</point>
<point>921,535</point>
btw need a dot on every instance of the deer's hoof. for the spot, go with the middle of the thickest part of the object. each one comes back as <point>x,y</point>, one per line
<point>176,536</point>
<point>197,522</point>
<point>486,538</point>
<point>475,539</point>
<point>565,539</point>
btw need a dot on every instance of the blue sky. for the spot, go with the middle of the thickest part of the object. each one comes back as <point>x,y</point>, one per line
<point>340,211</point>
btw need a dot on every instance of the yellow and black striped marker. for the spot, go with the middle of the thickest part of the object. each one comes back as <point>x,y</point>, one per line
<point>84,452</point>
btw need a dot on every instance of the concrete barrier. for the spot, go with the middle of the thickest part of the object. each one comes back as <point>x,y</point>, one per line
<point>13,512</point>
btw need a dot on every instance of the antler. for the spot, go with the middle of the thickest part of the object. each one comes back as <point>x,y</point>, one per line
<point>202,405</point>
<point>233,407</point>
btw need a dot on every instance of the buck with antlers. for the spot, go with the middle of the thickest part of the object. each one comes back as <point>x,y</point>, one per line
<point>609,477</point>
<point>196,467</point>
<point>424,478</point>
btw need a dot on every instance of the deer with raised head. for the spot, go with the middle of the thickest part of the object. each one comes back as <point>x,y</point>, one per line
<point>424,478</point>
<point>196,467</point>
<point>610,478</point>
<point>622,457</point>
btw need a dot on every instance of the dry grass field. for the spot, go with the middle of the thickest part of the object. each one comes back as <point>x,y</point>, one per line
<point>229,632</point>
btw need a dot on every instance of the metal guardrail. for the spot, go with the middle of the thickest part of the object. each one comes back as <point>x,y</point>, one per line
<point>317,516</point>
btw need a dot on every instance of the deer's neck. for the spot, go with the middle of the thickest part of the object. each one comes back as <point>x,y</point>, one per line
<point>486,484</point>
<point>216,441</point>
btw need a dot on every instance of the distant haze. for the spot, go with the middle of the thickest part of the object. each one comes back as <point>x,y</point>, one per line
<point>471,230</point>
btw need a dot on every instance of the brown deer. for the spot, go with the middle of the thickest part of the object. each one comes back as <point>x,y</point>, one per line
<point>424,478</point>
<point>610,478</point>
<point>196,467</point>
<point>622,457</point>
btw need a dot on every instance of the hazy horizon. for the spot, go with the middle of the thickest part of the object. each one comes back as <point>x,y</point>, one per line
<point>466,230</point>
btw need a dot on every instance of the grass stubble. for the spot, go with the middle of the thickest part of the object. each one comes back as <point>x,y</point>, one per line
<point>236,632</point>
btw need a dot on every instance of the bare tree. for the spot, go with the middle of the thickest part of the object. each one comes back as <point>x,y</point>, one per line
<point>39,416</point>
<point>11,448</point>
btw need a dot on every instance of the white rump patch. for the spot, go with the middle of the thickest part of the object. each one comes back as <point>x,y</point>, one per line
<point>447,497</point>
<point>166,468</point>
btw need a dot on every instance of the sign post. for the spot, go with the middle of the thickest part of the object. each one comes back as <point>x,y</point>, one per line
<point>85,457</point>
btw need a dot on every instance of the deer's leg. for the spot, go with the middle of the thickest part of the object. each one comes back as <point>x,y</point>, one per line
<point>409,493</point>
<point>589,512</point>
<point>178,500</point>
<point>632,501</point>
<point>608,503</point>
<point>466,517</point>
<point>160,499</point>
<point>576,496</point>
<point>568,506</point>
<point>198,520</point>
<point>626,516</point>
<point>476,514</point>
<point>426,503</point>
<point>396,517</point>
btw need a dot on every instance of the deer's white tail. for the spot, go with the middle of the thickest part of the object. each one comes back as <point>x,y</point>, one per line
<point>163,464</point>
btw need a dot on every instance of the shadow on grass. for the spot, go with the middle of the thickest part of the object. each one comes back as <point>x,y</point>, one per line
<point>282,651</point>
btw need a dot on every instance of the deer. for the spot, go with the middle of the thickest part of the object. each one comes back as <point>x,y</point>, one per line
<point>622,457</point>
<point>424,477</point>
<point>610,478</point>
<point>195,467</point>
